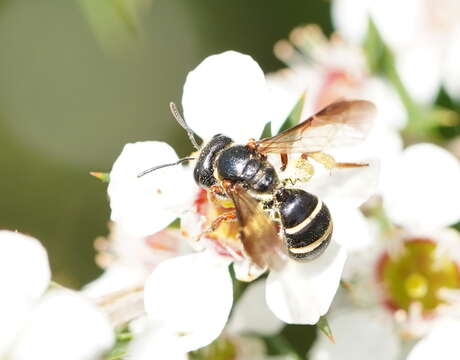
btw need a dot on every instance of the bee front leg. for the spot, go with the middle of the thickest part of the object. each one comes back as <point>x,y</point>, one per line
<point>217,190</point>
<point>225,217</point>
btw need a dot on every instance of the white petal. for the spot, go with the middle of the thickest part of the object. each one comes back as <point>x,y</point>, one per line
<point>226,94</point>
<point>441,343</point>
<point>24,267</point>
<point>302,292</point>
<point>391,113</point>
<point>148,204</point>
<point>358,334</point>
<point>451,73</point>
<point>351,19</point>
<point>13,312</point>
<point>420,71</point>
<point>64,326</point>
<point>350,228</point>
<point>424,191</point>
<point>398,28</point>
<point>145,252</point>
<point>344,187</point>
<point>115,278</point>
<point>251,313</point>
<point>192,295</point>
<point>246,270</point>
<point>155,344</point>
<point>285,90</point>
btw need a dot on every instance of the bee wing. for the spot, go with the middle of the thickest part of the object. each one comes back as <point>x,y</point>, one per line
<point>258,233</point>
<point>341,123</point>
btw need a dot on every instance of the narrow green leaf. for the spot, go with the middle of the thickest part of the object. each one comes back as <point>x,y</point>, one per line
<point>374,48</point>
<point>267,132</point>
<point>294,117</point>
<point>118,352</point>
<point>104,177</point>
<point>323,325</point>
<point>175,224</point>
<point>279,345</point>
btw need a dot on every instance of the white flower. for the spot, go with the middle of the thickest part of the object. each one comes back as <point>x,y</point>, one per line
<point>329,70</point>
<point>129,259</point>
<point>190,297</point>
<point>423,194</point>
<point>250,318</point>
<point>226,94</point>
<point>408,275</point>
<point>251,315</point>
<point>423,34</point>
<point>442,342</point>
<point>358,334</point>
<point>56,325</point>
<point>135,201</point>
<point>63,325</point>
<point>24,277</point>
<point>304,300</point>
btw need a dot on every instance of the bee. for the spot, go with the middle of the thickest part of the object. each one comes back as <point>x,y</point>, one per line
<point>272,216</point>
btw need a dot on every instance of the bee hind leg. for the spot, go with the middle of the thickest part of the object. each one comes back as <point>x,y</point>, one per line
<point>284,161</point>
<point>350,165</point>
<point>329,162</point>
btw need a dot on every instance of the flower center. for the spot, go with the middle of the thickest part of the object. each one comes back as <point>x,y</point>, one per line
<point>226,235</point>
<point>417,274</point>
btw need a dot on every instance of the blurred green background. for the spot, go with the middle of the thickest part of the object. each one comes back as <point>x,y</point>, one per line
<point>79,80</point>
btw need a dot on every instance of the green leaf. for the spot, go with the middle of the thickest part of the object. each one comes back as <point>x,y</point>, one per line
<point>279,345</point>
<point>118,352</point>
<point>175,224</point>
<point>323,325</point>
<point>450,125</point>
<point>294,117</point>
<point>267,132</point>
<point>375,49</point>
<point>104,177</point>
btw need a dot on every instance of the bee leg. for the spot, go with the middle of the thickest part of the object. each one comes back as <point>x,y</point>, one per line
<point>324,159</point>
<point>225,217</point>
<point>284,161</point>
<point>350,165</point>
<point>329,162</point>
<point>217,190</point>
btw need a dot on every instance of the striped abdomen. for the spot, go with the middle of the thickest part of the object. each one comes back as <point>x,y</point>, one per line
<point>307,223</point>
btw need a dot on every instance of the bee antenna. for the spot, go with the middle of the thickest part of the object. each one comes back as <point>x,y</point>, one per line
<point>182,123</point>
<point>145,172</point>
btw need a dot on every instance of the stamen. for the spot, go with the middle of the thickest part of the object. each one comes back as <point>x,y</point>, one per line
<point>288,54</point>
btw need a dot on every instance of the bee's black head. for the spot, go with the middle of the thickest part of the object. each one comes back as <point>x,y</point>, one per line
<point>204,168</point>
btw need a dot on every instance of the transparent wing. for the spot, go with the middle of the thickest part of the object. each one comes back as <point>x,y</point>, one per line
<point>342,123</point>
<point>258,233</point>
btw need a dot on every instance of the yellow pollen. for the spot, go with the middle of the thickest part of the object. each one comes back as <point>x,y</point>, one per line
<point>416,286</point>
